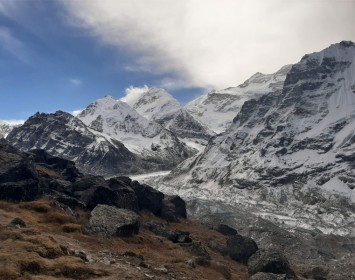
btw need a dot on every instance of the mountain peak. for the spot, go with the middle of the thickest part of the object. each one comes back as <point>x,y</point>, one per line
<point>153,103</point>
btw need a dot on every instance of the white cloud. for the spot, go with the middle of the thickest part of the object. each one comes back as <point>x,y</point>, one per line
<point>12,45</point>
<point>75,82</point>
<point>133,93</point>
<point>76,112</point>
<point>212,43</point>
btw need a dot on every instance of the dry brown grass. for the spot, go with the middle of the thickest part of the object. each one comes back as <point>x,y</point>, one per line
<point>72,228</point>
<point>40,206</point>
<point>41,251</point>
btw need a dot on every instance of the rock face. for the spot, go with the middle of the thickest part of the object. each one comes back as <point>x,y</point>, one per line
<point>218,108</point>
<point>61,134</point>
<point>292,148</point>
<point>141,136</point>
<point>269,262</point>
<point>157,105</point>
<point>110,221</point>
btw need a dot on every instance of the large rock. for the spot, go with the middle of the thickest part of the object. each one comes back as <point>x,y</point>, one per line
<point>148,198</point>
<point>173,208</point>
<point>19,179</point>
<point>127,198</point>
<point>240,248</point>
<point>225,229</point>
<point>110,221</point>
<point>269,261</point>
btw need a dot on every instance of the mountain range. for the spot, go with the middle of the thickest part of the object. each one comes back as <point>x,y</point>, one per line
<point>273,157</point>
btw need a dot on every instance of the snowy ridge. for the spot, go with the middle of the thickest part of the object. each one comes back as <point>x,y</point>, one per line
<point>218,108</point>
<point>291,151</point>
<point>158,105</point>
<point>6,127</point>
<point>146,138</point>
<point>61,134</point>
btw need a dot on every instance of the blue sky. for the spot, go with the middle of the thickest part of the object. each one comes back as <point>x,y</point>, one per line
<point>64,54</point>
<point>48,65</point>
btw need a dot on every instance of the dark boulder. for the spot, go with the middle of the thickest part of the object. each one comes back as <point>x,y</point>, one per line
<point>65,168</point>
<point>19,179</point>
<point>110,221</point>
<point>240,248</point>
<point>148,198</point>
<point>99,195</point>
<point>225,229</point>
<point>69,201</point>
<point>173,207</point>
<point>87,182</point>
<point>269,261</point>
<point>127,198</point>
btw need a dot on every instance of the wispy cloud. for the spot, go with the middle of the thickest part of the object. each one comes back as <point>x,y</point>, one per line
<point>132,93</point>
<point>75,82</point>
<point>12,45</point>
<point>76,112</point>
<point>214,43</point>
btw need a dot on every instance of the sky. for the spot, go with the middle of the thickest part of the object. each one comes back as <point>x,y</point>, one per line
<point>64,54</point>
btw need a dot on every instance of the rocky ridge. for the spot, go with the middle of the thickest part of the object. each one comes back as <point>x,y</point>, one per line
<point>61,134</point>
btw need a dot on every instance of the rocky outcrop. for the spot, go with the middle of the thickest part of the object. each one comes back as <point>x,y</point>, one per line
<point>110,221</point>
<point>269,261</point>
<point>19,180</point>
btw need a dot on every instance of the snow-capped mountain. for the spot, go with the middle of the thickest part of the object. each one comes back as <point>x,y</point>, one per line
<point>146,138</point>
<point>6,127</point>
<point>217,109</point>
<point>158,105</point>
<point>289,153</point>
<point>61,134</point>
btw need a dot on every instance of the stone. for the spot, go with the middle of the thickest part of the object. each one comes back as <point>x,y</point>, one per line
<point>148,198</point>
<point>17,222</point>
<point>269,261</point>
<point>110,221</point>
<point>225,229</point>
<point>173,207</point>
<point>240,248</point>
